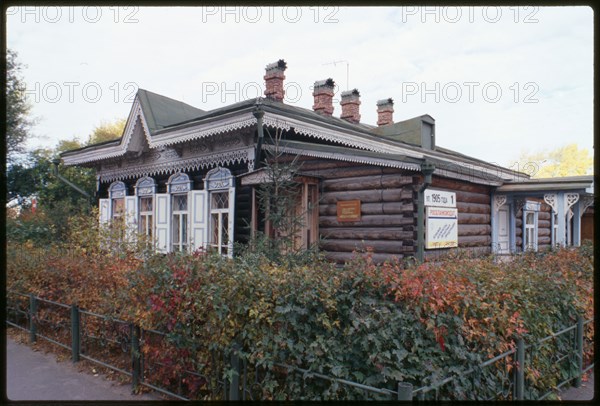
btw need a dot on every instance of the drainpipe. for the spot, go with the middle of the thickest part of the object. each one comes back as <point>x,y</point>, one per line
<point>259,113</point>
<point>56,162</point>
<point>427,168</point>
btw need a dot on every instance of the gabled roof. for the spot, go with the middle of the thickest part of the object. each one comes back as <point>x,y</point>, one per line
<point>159,121</point>
<point>161,111</point>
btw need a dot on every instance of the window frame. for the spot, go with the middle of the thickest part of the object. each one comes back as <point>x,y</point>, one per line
<point>530,229</point>
<point>179,185</point>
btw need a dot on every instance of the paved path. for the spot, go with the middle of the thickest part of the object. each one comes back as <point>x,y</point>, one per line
<point>584,392</point>
<point>32,375</point>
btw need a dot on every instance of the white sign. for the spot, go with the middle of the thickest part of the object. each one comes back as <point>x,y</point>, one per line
<point>440,198</point>
<point>441,227</point>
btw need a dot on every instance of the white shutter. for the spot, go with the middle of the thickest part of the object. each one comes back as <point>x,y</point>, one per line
<point>231,220</point>
<point>104,211</point>
<point>198,219</point>
<point>131,216</point>
<point>162,221</point>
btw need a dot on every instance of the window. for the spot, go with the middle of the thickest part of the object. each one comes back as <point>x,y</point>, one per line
<point>530,226</point>
<point>117,192</point>
<point>219,213</point>
<point>220,185</point>
<point>179,222</point>
<point>179,185</point>
<point>145,189</point>
<point>146,211</point>
<point>529,242</point>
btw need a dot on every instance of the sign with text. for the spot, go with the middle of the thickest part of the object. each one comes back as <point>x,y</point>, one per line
<point>440,198</point>
<point>441,227</point>
<point>348,210</point>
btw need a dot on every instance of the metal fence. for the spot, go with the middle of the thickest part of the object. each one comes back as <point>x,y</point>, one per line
<point>149,358</point>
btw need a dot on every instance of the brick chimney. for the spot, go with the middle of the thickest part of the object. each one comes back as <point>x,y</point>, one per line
<point>350,102</point>
<point>385,111</point>
<point>274,80</point>
<point>323,94</point>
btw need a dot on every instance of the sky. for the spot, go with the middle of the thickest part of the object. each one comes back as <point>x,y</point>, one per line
<point>499,81</point>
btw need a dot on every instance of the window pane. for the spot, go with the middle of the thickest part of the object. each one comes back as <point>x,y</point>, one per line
<point>225,230</point>
<point>529,218</point>
<point>215,229</point>
<point>220,200</point>
<point>175,229</point>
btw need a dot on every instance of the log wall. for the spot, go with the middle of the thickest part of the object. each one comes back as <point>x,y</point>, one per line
<point>388,209</point>
<point>474,217</point>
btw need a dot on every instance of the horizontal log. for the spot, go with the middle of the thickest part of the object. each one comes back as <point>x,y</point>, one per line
<point>519,231</point>
<point>544,223</point>
<point>367,182</point>
<point>473,229</point>
<point>544,240</point>
<point>335,171</point>
<point>473,218</point>
<point>518,241</point>
<point>364,233</point>
<point>368,196</point>
<point>370,208</point>
<point>455,185</point>
<point>465,207</point>
<point>544,215</point>
<point>378,246</point>
<point>343,257</point>
<point>472,197</point>
<point>544,231</point>
<point>474,241</point>
<point>366,221</point>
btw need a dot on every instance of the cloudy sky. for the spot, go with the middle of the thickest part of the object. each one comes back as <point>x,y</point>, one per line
<point>497,81</point>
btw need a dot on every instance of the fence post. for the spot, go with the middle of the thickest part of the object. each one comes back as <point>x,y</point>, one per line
<point>234,386</point>
<point>135,356</point>
<point>579,349</point>
<point>75,343</point>
<point>32,313</point>
<point>520,370</point>
<point>405,391</point>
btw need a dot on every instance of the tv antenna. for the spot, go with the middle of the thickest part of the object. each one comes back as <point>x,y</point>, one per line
<point>334,63</point>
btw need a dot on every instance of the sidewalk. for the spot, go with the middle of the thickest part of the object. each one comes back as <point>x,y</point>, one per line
<point>33,375</point>
<point>584,392</point>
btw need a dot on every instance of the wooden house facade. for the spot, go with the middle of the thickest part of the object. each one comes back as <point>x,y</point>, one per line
<point>188,178</point>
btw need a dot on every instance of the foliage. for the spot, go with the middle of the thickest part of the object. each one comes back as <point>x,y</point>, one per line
<point>18,121</point>
<point>107,131</point>
<point>373,324</point>
<point>568,160</point>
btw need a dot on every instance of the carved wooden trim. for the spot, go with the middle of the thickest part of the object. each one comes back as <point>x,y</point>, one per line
<point>551,200</point>
<point>499,201</point>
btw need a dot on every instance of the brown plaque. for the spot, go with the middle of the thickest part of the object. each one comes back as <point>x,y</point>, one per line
<point>348,210</point>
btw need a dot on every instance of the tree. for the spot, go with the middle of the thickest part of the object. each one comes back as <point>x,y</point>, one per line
<point>18,122</point>
<point>107,131</point>
<point>569,160</point>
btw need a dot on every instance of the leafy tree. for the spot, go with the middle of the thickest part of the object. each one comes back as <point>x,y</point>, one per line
<point>107,131</point>
<point>569,160</point>
<point>18,122</point>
